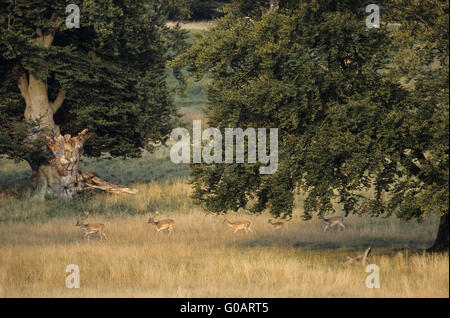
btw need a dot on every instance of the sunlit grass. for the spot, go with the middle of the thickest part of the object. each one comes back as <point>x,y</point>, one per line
<point>197,25</point>
<point>204,258</point>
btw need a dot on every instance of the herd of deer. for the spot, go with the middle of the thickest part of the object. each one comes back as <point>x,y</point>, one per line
<point>167,224</point>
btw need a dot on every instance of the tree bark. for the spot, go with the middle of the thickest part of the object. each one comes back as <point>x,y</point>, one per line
<point>58,176</point>
<point>54,171</point>
<point>442,238</point>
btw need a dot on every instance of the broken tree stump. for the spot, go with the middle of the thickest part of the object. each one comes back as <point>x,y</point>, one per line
<point>56,174</point>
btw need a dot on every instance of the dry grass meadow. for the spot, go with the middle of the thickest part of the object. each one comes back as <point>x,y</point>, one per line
<point>204,258</point>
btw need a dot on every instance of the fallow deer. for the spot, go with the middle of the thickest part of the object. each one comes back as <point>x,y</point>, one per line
<point>166,224</point>
<point>332,221</point>
<point>91,228</point>
<point>239,225</point>
<point>276,225</point>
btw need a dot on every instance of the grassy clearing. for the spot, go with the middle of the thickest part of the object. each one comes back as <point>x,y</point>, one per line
<point>196,26</point>
<point>204,258</point>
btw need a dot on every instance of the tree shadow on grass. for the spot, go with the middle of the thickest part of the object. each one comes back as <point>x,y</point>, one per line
<point>389,244</point>
<point>393,245</point>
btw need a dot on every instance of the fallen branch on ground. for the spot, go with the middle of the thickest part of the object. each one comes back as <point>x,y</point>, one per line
<point>92,181</point>
<point>362,257</point>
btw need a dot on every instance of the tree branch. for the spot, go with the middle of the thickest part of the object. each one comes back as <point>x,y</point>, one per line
<point>363,257</point>
<point>423,22</point>
<point>59,100</point>
<point>39,32</point>
<point>23,87</point>
<point>47,40</point>
<point>91,181</point>
<point>94,56</point>
<point>414,169</point>
<point>40,37</point>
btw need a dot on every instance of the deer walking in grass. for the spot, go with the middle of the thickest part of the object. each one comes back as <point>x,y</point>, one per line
<point>332,221</point>
<point>91,228</point>
<point>162,225</point>
<point>278,225</point>
<point>239,225</point>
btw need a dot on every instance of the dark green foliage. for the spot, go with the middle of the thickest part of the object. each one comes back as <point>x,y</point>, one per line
<point>196,10</point>
<point>205,9</point>
<point>120,95</point>
<point>332,86</point>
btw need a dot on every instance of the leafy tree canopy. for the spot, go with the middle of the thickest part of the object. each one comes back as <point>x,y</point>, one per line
<point>195,10</point>
<point>356,108</point>
<point>110,72</point>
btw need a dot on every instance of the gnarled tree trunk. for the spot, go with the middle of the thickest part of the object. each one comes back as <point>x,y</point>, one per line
<point>442,237</point>
<point>55,171</point>
<point>59,176</point>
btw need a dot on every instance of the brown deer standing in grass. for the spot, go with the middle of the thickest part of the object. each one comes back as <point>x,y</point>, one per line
<point>239,225</point>
<point>332,221</point>
<point>166,224</point>
<point>91,228</point>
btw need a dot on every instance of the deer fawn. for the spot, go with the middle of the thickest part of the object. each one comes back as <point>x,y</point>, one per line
<point>166,224</point>
<point>332,221</point>
<point>91,228</point>
<point>239,225</point>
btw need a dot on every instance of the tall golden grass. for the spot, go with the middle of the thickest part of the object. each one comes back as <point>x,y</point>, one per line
<point>204,258</point>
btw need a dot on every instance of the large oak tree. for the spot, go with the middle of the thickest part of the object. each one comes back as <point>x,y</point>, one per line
<point>103,83</point>
<point>362,112</point>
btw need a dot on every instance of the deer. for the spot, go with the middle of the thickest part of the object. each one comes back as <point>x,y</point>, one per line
<point>276,225</point>
<point>279,225</point>
<point>239,225</point>
<point>332,221</point>
<point>91,228</point>
<point>166,224</point>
